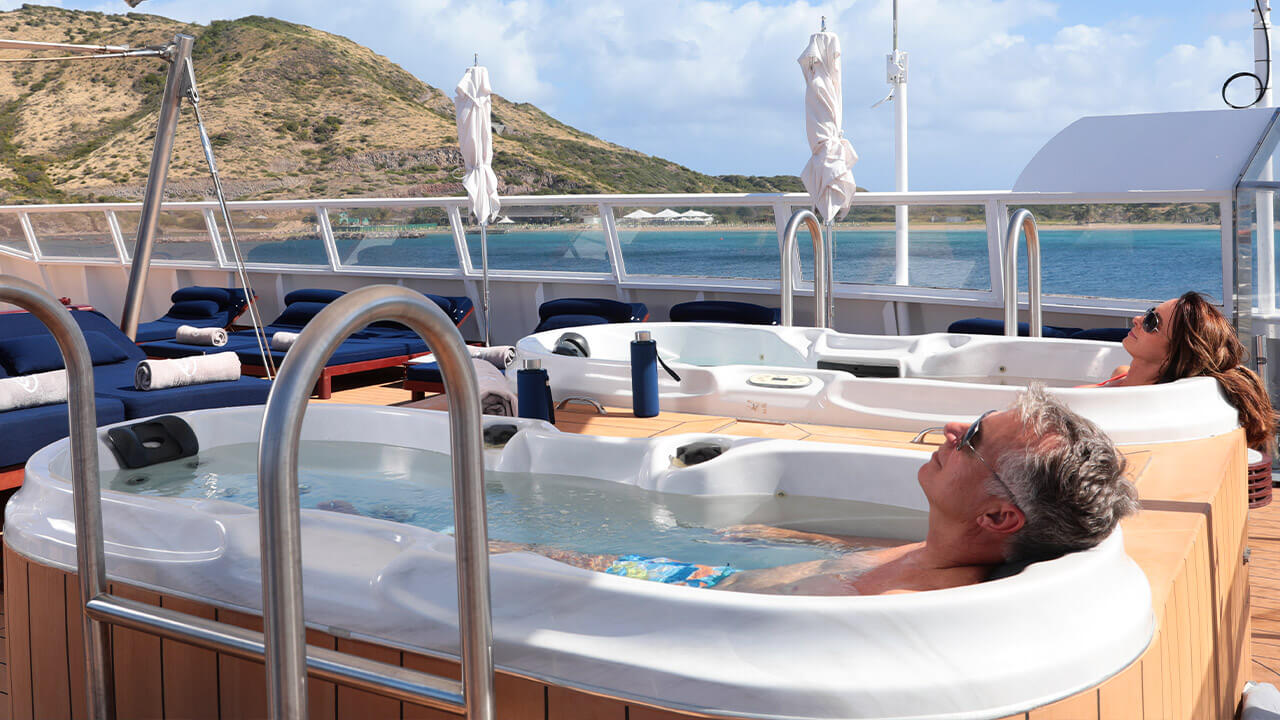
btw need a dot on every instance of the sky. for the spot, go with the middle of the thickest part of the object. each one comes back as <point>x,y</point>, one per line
<point>715,85</point>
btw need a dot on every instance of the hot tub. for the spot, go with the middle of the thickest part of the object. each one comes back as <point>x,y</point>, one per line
<point>797,374</point>
<point>985,650</point>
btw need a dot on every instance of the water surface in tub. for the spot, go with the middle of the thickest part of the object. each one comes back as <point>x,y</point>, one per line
<point>592,516</point>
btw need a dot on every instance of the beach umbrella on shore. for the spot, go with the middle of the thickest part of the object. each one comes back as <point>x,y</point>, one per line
<point>473,104</point>
<point>828,176</point>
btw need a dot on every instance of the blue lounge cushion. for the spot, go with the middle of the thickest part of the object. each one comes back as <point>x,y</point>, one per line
<point>24,431</point>
<point>352,350</point>
<point>987,326</point>
<point>194,309</point>
<point>221,297</point>
<point>299,313</point>
<point>313,295</point>
<point>1107,334</point>
<point>39,353</point>
<point>557,322</point>
<point>610,310</point>
<point>428,372</point>
<point>725,311</point>
<point>116,382</point>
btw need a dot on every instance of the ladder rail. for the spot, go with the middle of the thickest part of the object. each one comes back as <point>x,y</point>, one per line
<point>1022,222</point>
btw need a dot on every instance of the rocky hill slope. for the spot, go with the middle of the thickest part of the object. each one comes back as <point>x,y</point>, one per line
<point>293,112</point>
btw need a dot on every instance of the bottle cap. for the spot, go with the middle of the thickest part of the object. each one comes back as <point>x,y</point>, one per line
<point>643,335</point>
<point>532,364</point>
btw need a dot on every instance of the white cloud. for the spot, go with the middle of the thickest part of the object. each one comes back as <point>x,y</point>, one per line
<point>714,84</point>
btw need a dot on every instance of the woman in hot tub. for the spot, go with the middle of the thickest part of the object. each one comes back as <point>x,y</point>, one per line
<point>1188,337</point>
<point>1017,486</point>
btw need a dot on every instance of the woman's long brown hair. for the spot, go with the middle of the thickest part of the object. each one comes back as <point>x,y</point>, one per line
<point>1203,342</point>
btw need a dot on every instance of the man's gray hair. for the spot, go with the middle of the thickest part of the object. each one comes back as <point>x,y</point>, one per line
<point>1067,478</point>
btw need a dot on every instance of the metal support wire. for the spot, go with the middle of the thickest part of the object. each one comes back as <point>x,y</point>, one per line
<point>255,317</point>
<point>97,56</point>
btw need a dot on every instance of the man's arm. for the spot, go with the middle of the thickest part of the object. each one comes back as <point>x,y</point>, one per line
<point>777,534</point>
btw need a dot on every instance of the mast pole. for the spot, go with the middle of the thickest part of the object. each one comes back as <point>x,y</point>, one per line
<point>149,220</point>
<point>1266,288</point>
<point>897,76</point>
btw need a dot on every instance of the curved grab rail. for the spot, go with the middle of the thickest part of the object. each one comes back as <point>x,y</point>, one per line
<point>90,554</point>
<point>821,282</point>
<point>1022,220</point>
<point>286,652</point>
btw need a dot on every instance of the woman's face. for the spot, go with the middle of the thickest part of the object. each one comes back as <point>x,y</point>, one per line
<point>1152,347</point>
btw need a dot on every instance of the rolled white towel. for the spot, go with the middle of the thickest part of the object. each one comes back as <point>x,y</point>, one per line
<point>194,370</point>
<point>23,391</point>
<point>500,355</point>
<point>282,340</point>
<point>495,396</point>
<point>209,337</point>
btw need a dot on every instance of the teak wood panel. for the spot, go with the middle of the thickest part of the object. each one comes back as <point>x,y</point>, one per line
<point>1189,543</point>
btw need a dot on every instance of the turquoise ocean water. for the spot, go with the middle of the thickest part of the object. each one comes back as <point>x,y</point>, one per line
<point>1150,264</point>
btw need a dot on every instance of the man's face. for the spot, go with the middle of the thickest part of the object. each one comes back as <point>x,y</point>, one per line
<point>955,480</point>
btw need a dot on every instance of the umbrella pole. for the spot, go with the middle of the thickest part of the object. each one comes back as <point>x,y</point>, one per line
<point>484,270</point>
<point>830,260</point>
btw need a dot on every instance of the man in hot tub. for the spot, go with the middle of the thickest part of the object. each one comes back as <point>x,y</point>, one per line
<point>1017,486</point>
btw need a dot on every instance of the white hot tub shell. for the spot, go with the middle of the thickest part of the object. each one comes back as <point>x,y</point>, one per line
<point>985,650</point>
<point>831,378</point>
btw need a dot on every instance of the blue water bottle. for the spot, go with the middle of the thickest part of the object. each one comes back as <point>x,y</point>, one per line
<point>533,391</point>
<point>644,375</point>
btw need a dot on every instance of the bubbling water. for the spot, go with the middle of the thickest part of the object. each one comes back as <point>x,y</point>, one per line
<point>413,486</point>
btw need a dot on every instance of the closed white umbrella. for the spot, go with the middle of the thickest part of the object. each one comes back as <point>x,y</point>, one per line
<point>828,176</point>
<point>473,105</point>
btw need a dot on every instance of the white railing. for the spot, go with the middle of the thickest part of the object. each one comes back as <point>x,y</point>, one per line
<point>115,247</point>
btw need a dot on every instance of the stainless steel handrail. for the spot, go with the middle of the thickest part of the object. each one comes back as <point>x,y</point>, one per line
<point>1022,220</point>
<point>821,265</point>
<point>90,555</point>
<point>281,538</point>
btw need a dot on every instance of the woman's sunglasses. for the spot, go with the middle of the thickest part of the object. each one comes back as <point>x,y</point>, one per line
<point>1151,321</point>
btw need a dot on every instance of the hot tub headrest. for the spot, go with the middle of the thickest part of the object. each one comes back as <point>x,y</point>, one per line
<point>153,441</point>
<point>573,345</point>
<point>499,434</point>
<point>698,452</point>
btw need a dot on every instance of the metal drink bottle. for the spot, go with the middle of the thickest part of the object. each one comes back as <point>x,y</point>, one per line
<point>644,375</point>
<point>533,391</point>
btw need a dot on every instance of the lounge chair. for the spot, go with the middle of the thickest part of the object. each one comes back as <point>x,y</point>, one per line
<point>382,344</point>
<point>575,312</point>
<point>26,347</point>
<point>986,326</point>
<point>725,311</point>
<point>197,306</point>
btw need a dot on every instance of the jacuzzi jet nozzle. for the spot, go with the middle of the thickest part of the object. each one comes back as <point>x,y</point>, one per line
<point>496,436</point>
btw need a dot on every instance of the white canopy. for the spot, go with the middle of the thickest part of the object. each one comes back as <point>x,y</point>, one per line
<point>1200,150</point>
<point>638,215</point>
<point>828,176</point>
<point>473,105</point>
<point>504,220</point>
<point>666,213</point>
<point>695,214</point>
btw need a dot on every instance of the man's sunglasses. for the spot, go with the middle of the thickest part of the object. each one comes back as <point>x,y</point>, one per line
<point>969,440</point>
<point>1151,321</point>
